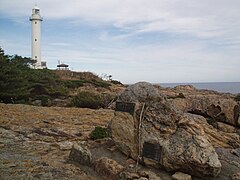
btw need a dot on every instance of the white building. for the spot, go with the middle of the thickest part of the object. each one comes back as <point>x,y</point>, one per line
<point>36,20</point>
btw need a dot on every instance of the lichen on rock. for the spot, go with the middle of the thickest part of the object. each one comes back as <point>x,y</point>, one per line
<point>81,155</point>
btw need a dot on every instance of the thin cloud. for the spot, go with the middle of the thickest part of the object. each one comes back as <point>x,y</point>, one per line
<point>153,40</point>
<point>60,44</point>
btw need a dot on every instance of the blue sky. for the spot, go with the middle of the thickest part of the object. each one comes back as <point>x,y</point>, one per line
<point>132,40</point>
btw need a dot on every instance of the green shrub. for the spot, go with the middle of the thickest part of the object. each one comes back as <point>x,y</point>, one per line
<point>87,99</point>
<point>116,82</point>
<point>55,93</point>
<point>44,100</point>
<point>74,83</point>
<point>237,98</point>
<point>212,122</point>
<point>100,83</point>
<point>99,133</point>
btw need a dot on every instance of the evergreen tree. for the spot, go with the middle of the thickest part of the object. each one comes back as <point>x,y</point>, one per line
<point>20,82</point>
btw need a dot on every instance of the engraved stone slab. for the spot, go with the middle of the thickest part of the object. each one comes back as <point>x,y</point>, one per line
<point>152,151</point>
<point>125,107</point>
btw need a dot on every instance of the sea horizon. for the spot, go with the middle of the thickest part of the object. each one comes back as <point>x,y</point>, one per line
<point>224,87</point>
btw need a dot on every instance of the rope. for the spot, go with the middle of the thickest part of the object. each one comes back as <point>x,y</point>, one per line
<point>109,104</point>
<point>139,135</point>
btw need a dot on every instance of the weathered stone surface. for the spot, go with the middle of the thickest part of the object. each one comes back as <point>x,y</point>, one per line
<point>185,88</point>
<point>129,175</point>
<point>124,133</point>
<point>189,148</point>
<point>177,142</point>
<point>236,152</point>
<point>130,162</point>
<point>65,145</point>
<point>145,92</point>
<point>22,158</point>
<point>220,108</point>
<point>235,176</point>
<point>181,176</point>
<point>149,175</point>
<point>81,155</point>
<point>238,122</point>
<point>230,163</point>
<point>108,168</point>
<point>34,141</point>
<point>226,128</point>
<point>143,178</point>
<point>216,137</point>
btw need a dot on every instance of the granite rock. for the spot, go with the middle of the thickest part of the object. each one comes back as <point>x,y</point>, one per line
<point>81,155</point>
<point>165,136</point>
<point>181,176</point>
<point>108,168</point>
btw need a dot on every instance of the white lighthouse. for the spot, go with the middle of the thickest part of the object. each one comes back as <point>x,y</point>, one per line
<point>36,38</point>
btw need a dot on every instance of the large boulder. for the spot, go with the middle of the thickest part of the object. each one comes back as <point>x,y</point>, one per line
<point>160,134</point>
<point>81,155</point>
<point>217,137</point>
<point>186,149</point>
<point>190,148</point>
<point>124,133</point>
<point>140,92</point>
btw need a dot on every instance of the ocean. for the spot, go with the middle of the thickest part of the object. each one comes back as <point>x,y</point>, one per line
<point>225,87</point>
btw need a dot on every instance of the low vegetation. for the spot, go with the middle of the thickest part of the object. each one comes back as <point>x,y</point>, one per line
<point>87,99</point>
<point>99,133</point>
<point>72,84</point>
<point>116,82</point>
<point>237,98</point>
<point>78,79</point>
<point>93,100</point>
<point>19,83</point>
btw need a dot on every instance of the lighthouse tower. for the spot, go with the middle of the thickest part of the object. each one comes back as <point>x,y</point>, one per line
<point>36,20</point>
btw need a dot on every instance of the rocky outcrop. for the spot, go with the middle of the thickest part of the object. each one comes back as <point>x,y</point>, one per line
<point>218,112</point>
<point>35,142</point>
<point>185,150</point>
<point>108,168</point>
<point>222,108</point>
<point>216,137</point>
<point>162,135</point>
